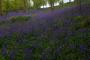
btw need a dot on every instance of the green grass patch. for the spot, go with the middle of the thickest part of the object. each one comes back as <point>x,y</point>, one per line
<point>15,19</point>
<point>81,22</point>
<point>19,19</point>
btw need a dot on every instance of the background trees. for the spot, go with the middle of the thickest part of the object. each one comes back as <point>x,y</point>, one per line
<point>61,2</point>
<point>25,5</point>
<point>51,2</point>
<point>38,3</point>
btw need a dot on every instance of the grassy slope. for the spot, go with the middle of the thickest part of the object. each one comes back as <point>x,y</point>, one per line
<point>51,39</point>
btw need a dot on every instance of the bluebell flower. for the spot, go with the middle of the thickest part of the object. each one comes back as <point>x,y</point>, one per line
<point>28,53</point>
<point>12,54</point>
<point>83,48</point>
<point>1,33</point>
<point>72,46</point>
<point>4,50</point>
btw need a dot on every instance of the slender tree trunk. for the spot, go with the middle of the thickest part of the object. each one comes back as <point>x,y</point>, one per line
<point>25,5</point>
<point>61,3</point>
<point>78,3</point>
<point>80,7</point>
<point>69,0</point>
<point>28,6</point>
<point>7,7</point>
<point>52,5</point>
<point>1,12</point>
<point>43,6</point>
<point>15,5</point>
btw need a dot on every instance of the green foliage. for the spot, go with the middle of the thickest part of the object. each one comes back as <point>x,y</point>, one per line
<point>44,47</point>
<point>38,3</point>
<point>14,5</point>
<point>81,22</point>
<point>15,19</point>
<point>19,18</point>
<point>2,22</point>
<point>1,57</point>
<point>82,1</point>
<point>52,2</point>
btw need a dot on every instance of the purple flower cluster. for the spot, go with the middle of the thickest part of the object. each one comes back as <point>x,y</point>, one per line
<point>12,54</point>
<point>4,50</point>
<point>83,48</point>
<point>51,36</point>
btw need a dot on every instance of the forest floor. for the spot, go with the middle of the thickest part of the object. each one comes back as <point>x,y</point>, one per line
<point>36,12</point>
<point>57,35</point>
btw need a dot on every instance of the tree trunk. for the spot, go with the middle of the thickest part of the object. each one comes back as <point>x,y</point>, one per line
<point>15,5</point>
<point>69,0</point>
<point>52,6</point>
<point>1,12</point>
<point>78,3</point>
<point>25,5</point>
<point>80,7</point>
<point>61,3</point>
<point>7,7</point>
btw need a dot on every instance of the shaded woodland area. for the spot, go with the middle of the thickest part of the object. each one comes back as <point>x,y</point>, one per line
<point>29,32</point>
<point>26,5</point>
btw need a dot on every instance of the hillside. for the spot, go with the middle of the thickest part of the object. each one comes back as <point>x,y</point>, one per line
<point>62,34</point>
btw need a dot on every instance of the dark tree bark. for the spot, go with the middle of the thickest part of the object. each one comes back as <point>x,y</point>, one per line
<point>15,5</point>
<point>52,5</point>
<point>1,12</point>
<point>7,7</point>
<point>25,3</point>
